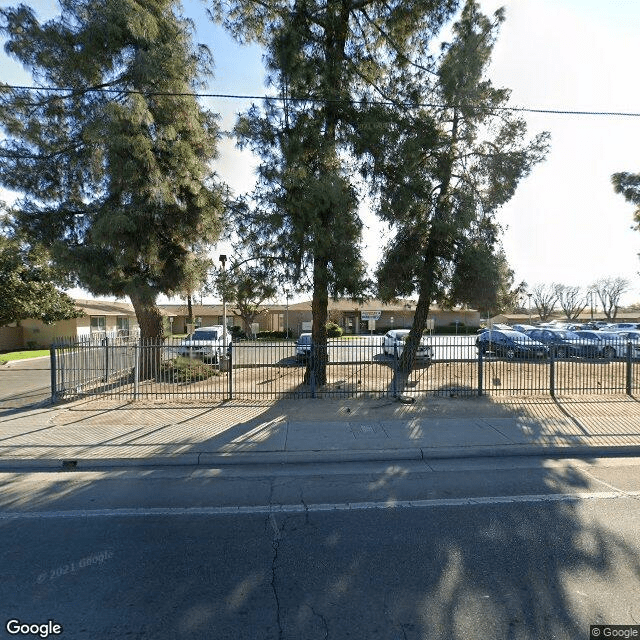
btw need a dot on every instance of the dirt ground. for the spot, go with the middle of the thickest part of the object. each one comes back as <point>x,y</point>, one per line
<point>456,378</point>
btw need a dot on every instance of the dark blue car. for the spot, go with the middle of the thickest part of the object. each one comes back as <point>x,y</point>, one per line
<point>510,345</point>
<point>563,344</point>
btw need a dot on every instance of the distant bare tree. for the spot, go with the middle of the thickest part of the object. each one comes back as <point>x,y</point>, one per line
<point>545,299</point>
<point>572,300</point>
<point>609,291</point>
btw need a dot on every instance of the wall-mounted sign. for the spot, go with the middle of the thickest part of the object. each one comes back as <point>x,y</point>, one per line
<point>370,315</point>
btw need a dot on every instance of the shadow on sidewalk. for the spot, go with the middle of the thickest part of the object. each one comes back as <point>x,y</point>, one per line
<point>539,553</point>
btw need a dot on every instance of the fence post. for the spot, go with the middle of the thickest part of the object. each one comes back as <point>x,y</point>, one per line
<point>312,370</point>
<point>230,371</point>
<point>552,373</point>
<point>480,373</point>
<point>106,359</point>
<point>136,370</point>
<point>394,387</point>
<point>54,373</point>
<point>629,368</point>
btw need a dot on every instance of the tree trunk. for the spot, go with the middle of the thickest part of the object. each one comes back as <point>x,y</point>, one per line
<point>407,360</point>
<point>319,309</point>
<point>436,243</point>
<point>151,334</point>
<point>189,310</point>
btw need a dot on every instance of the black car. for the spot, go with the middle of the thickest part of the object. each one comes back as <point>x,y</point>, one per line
<point>604,344</point>
<point>510,344</point>
<point>561,343</point>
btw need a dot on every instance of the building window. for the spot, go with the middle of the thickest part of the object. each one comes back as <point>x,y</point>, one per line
<point>98,324</point>
<point>122,325</point>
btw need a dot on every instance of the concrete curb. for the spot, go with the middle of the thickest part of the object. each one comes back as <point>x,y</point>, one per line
<point>319,457</point>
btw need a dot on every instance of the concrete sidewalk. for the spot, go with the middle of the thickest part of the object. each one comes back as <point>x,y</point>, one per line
<point>101,433</point>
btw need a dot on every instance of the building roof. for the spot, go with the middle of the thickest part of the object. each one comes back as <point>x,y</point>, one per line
<point>104,308</point>
<point>347,304</point>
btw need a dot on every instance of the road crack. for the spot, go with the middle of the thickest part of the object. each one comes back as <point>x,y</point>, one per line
<point>275,545</point>
<point>323,620</point>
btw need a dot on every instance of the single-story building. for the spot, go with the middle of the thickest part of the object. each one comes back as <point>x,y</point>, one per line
<point>353,317</point>
<point>101,317</point>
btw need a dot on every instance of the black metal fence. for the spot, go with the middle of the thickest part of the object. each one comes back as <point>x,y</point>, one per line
<point>131,368</point>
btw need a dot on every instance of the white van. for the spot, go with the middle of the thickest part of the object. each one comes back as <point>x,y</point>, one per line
<point>205,343</point>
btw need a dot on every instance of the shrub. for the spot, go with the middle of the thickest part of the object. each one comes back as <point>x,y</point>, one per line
<point>271,335</point>
<point>237,333</point>
<point>186,370</point>
<point>333,330</point>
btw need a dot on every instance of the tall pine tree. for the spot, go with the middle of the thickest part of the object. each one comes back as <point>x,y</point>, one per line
<point>443,169</point>
<point>112,152</point>
<point>325,59</point>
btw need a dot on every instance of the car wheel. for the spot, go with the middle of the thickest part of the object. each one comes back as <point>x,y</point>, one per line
<point>609,353</point>
<point>510,354</point>
<point>561,352</point>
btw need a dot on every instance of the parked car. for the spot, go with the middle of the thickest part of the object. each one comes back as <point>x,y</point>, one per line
<point>205,343</point>
<point>624,326</point>
<point>634,338</point>
<point>510,344</point>
<point>395,339</point>
<point>562,344</point>
<point>499,326</point>
<point>604,344</point>
<point>303,346</point>
<point>523,328</point>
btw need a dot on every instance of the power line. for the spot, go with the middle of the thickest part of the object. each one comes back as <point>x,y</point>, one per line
<point>228,96</point>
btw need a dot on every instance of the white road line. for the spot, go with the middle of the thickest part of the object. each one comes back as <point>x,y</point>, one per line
<point>299,508</point>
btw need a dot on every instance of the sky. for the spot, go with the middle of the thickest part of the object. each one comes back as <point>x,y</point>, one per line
<point>565,224</point>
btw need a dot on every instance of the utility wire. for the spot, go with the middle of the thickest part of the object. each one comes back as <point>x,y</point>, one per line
<point>228,96</point>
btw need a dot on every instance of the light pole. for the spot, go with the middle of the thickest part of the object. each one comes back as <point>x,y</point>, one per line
<point>223,260</point>
<point>529,294</point>
<point>591,303</point>
<point>286,294</point>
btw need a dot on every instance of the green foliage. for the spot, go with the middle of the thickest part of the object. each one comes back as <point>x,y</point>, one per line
<point>271,335</point>
<point>246,289</point>
<point>442,172</point>
<point>483,280</point>
<point>112,156</point>
<point>334,330</point>
<point>28,289</point>
<point>304,212</point>
<point>628,185</point>
<point>23,355</point>
<point>187,370</point>
<point>237,333</point>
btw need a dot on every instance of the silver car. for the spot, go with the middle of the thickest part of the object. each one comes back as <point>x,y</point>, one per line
<point>303,346</point>
<point>205,343</point>
<point>394,341</point>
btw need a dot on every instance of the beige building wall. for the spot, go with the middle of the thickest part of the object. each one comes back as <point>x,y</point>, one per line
<point>42,335</point>
<point>11,338</point>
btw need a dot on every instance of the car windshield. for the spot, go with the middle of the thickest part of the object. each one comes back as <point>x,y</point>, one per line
<point>305,339</point>
<point>567,335</point>
<point>205,335</point>
<point>514,335</point>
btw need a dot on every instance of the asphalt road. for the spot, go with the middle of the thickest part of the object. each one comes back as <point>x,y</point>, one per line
<point>503,549</point>
<point>24,383</point>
